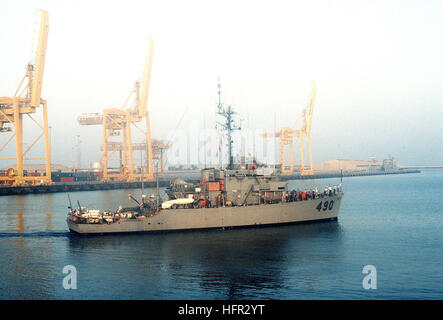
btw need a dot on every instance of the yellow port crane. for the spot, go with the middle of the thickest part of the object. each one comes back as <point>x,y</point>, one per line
<point>287,136</point>
<point>158,149</point>
<point>25,101</point>
<point>117,122</point>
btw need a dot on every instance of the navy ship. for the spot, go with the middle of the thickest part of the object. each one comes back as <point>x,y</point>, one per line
<point>236,196</point>
<point>225,198</point>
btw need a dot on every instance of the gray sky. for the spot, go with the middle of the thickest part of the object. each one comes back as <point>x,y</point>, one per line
<point>377,65</point>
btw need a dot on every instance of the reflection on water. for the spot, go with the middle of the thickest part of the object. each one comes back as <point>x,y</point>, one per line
<point>20,223</point>
<point>229,264</point>
<point>27,268</point>
<point>27,213</point>
<point>48,218</point>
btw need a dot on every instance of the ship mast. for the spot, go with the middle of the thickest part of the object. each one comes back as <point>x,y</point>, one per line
<point>228,125</point>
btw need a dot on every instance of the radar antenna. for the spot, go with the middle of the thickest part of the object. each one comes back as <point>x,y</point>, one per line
<point>228,125</point>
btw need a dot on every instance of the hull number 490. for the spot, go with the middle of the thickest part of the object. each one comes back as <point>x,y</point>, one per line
<point>327,205</point>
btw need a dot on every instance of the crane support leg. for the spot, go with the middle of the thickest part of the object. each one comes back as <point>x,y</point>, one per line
<point>149,146</point>
<point>18,124</point>
<point>105,148</point>
<point>311,170</point>
<point>125,149</point>
<point>302,155</point>
<point>47,142</point>
<point>131,154</point>
<point>282,154</point>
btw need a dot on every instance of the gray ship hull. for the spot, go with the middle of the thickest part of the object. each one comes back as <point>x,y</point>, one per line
<point>222,217</point>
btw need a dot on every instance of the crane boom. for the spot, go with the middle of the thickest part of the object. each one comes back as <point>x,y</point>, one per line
<point>118,122</point>
<point>146,79</point>
<point>39,66</point>
<point>310,110</point>
<point>25,101</point>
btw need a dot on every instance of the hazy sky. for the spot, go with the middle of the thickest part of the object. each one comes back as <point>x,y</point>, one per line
<point>378,66</point>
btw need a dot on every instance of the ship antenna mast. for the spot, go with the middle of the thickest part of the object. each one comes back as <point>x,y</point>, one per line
<point>228,125</point>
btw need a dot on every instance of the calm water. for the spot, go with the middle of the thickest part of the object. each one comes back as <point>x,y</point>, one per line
<point>391,222</point>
